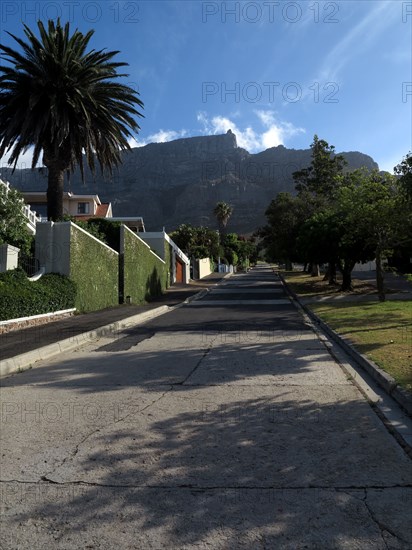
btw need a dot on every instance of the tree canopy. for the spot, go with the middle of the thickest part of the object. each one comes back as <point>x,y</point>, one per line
<point>341,218</point>
<point>66,103</point>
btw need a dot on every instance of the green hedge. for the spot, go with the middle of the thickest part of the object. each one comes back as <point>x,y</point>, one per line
<point>20,297</point>
<point>109,229</point>
<point>144,274</point>
<point>94,268</point>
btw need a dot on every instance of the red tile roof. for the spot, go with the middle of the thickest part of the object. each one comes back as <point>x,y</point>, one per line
<point>101,212</point>
<point>102,209</point>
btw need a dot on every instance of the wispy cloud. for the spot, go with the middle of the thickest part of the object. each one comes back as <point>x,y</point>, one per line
<point>359,38</point>
<point>272,134</point>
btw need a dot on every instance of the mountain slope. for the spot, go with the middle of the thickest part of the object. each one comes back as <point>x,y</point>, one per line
<point>181,181</point>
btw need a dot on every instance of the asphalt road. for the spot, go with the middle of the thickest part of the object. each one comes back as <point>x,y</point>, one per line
<point>224,424</point>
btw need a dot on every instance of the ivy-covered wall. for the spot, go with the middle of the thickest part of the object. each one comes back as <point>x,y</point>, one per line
<point>144,273</point>
<point>94,267</point>
<point>168,273</point>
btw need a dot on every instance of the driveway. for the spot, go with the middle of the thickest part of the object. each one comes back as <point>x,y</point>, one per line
<point>224,424</point>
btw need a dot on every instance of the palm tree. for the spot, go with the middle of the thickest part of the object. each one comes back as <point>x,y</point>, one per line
<point>64,102</point>
<point>222,211</point>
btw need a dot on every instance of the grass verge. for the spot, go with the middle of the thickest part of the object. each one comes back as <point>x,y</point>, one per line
<point>306,285</point>
<point>380,330</point>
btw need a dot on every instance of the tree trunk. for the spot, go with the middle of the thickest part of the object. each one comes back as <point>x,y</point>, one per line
<point>55,193</point>
<point>347,277</point>
<point>288,265</point>
<point>380,283</point>
<point>315,271</point>
<point>330,274</point>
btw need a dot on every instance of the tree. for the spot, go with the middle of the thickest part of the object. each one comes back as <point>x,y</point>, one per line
<point>13,223</point>
<point>197,242</point>
<point>377,212</point>
<point>404,171</point>
<point>317,185</point>
<point>65,103</point>
<point>222,211</point>
<point>321,177</point>
<point>285,216</point>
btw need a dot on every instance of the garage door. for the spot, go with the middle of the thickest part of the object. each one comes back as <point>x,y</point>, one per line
<point>179,271</point>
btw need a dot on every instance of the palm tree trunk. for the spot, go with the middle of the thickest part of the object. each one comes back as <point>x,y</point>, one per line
<point>55,193</point>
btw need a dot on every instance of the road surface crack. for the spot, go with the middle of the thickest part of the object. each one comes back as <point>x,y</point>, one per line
<point>205,353</point>
<point>75,451</point>
<point>381,526</point>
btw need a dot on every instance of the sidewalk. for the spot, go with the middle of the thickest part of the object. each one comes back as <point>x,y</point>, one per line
<point>394,282</point>
<point>31,338</point>
<point>330,299</point>
<point>397,287</point>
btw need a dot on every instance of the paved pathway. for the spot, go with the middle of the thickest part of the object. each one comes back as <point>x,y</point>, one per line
<point>225,424</point>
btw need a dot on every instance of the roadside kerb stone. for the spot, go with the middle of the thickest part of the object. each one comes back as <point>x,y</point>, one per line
<point>27,360</point>
<point>385,381</point>
<point>199,295</point>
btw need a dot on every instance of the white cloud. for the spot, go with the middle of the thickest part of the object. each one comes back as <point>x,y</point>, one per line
<point>133,142</point>
<point>274,132</point>
<point>158,137</point>
<point>166,135</point>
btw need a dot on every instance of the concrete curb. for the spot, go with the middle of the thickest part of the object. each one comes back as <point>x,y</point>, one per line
<point>27,360</point>
<point>36,317</point>
<point>385,381</point>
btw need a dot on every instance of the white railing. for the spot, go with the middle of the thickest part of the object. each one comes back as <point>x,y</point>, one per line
<point>31,215</point>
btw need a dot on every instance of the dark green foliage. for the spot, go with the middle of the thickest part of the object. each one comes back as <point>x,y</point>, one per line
<point>223,212</point>
<point>13,223</point>
<point>404,171</point>
<point>94,268</point>
<point>104,229</point>
<point>321,177</point>
<point>197,242</point>
<point>238,250</point>
<point>145,275</point>
<point>285,216</point>
<point>110,230</point>
<point>20,297</point>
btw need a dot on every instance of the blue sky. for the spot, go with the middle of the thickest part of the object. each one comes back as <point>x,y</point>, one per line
<point>273,72</point>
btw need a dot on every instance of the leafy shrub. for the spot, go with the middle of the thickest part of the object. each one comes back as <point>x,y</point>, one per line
<point>13,223</point>
<point>20,297</point>
<point>109,229</point>
<point>92,229</point>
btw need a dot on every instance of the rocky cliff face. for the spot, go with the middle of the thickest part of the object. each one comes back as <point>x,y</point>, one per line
<point>181,181</point>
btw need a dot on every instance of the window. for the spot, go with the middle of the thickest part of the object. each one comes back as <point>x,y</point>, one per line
<point>83,207</point>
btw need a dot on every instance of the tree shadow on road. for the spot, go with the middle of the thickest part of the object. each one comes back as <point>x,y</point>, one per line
<point>275,471</point>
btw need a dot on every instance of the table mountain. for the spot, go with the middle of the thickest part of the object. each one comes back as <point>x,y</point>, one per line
<point>182,180</point>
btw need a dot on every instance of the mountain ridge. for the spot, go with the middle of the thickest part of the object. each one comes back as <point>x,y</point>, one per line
<point>181,181</point>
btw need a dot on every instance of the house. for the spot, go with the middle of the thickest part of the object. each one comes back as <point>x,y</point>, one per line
<point>134,223</point>
<point>81,207</point>
<point>160,242</point>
